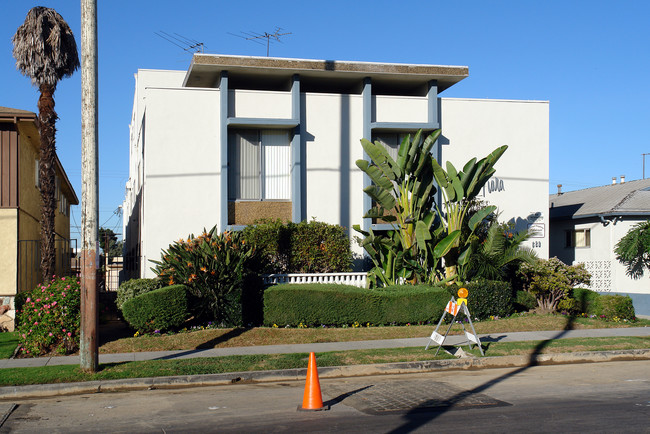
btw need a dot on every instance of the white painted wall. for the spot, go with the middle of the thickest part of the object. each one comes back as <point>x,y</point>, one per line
<point>181,167</point>
<point>475,127</point>
<point>259,104</point>
<point>390,108</point>
<point>331,136</point>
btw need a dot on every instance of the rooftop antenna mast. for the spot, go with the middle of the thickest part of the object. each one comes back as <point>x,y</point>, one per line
<point>253,36</point>
<point>187,44</point>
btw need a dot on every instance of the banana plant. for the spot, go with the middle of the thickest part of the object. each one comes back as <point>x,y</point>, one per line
<point>458,189</point>
<point>403,192</point>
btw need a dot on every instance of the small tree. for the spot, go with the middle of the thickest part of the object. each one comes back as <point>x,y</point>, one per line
<point>109,243</point>
<point>633,250</point>
<point>403,193</point>
<point>214,267</point>
<point>551,281</point>
<point>459,188</point>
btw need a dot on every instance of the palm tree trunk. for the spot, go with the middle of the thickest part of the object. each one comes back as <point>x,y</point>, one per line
<point>47,175</point>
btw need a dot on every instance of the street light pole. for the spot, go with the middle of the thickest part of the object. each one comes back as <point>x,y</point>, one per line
<point>88,350</point>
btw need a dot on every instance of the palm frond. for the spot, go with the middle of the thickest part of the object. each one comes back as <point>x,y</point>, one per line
<point>44,47</point>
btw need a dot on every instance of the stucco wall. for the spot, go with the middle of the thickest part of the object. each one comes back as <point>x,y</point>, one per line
<point>331,136</point>
<point>390,108</point>
<point>519,188</point>
<point>259,104</point>
<point>8,257</point>
<point>181,167</point>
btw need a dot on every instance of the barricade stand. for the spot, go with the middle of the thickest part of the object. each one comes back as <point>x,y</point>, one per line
<point>454,308</point>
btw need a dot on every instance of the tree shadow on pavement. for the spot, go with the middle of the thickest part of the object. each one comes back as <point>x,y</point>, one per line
<point>207,345</point>
<point>415,418</point>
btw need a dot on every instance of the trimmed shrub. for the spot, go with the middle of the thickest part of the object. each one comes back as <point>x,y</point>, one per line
<point>134,287</point>
<point>318,247</point>
<point>551,281</point>
<point>213,266</point>
<point>582,300</point>
<point>50,317</point>
<point>161,309</point>
<point>273,241</point>
<point>486,297</point>
<point>614,307</point>
<point>333,304</point>
<point>306,247</point>
<point>524,301</point>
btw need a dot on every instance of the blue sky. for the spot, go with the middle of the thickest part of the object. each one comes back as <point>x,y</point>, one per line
<point>590,59</point>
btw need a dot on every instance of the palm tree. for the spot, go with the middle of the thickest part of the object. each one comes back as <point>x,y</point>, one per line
<point>45,51</point>
<point>500,253</point>
<point>633,250</point>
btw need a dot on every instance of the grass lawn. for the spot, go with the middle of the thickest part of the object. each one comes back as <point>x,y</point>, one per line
<point>161,368</point>
<point>8,343</point>
<point>223,338</point>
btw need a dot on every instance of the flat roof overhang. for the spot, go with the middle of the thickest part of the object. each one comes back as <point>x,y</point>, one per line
<point>275,73</point>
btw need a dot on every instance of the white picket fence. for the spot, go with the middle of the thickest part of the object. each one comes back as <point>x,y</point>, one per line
<point>355,279</point>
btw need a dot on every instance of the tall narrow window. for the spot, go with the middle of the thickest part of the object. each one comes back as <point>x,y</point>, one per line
<point>259,165</point>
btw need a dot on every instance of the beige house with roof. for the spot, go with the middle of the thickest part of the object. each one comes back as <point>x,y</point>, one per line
<point>586,225</point>
<point>20,210</point>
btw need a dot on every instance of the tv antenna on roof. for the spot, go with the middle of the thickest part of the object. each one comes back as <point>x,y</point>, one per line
<point>255,37</point>
<point>187,44</point>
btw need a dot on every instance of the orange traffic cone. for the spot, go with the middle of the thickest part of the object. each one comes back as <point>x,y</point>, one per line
<point>312,400</point>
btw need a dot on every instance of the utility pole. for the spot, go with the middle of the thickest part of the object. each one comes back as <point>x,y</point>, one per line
<point>88,351</point>
<point>644,163</point>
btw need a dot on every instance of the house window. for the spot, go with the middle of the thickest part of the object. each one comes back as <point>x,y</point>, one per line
<point>259,165</point>
<point>578,238</point>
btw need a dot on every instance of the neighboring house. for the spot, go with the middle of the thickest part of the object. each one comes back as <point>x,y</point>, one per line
<point>587,224</point>
<point>234,139</point>
<point>20,209</point>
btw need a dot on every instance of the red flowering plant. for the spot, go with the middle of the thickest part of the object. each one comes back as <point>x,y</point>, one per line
<point>50,318</point>
<point>213,266</point>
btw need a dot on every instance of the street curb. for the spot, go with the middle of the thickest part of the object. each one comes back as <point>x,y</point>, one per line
<point>184,381</point>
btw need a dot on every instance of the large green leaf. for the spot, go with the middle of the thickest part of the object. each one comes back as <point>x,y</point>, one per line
<point>381,196</point>
<point>444,246</point>
<point>376,175</point>
<point>440,175</point>
<point>377,153</point>
<point>422,234</point>
<point>479,216</point>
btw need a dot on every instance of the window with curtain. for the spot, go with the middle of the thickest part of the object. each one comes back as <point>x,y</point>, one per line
<point>259,165</point>
<point>578,238</point>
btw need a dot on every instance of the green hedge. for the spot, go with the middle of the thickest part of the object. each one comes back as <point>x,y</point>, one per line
<point>305,247</point>
<point>524,301</point>
<point>333,304</point>
<point>614,306</point>
<point>161,309</point>
<point>486,298</point>
<point>134,287</point>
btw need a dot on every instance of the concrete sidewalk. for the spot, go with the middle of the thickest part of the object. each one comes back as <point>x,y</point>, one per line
<point>183,381</point>
<point>325,347</point>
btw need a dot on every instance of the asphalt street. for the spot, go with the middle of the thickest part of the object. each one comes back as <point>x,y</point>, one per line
<point>596,397</point>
